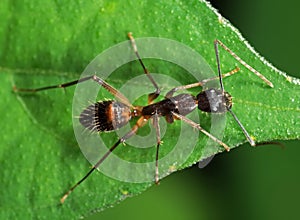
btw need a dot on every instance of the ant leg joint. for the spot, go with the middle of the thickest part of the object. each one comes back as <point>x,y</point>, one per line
<point>171,92</point>
<point>122,140</point>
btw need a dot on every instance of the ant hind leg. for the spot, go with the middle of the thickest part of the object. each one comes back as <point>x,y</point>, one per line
<point>155,94</point>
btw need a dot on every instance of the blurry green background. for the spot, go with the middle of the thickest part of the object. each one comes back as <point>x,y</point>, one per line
<point>247,183</point>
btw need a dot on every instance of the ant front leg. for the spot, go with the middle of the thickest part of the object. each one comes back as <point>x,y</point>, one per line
<point>218,42</point>
<point>199,84</point>
<point>197,126</point>
<point>154,95</point>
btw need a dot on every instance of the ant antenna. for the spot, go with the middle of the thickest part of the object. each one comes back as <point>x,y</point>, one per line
<point>216,43</point>
<point>218,65</point>
<point>250,140</point>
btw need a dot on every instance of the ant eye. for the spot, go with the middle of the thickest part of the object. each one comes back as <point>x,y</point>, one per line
<point>228,100</point>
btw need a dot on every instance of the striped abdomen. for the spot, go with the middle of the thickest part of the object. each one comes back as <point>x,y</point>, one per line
<point>105,116</point>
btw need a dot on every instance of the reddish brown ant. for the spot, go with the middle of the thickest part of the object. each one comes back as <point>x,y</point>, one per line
<point>111,114</point>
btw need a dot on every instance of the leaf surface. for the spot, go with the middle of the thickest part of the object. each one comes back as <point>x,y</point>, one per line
<point>46,43</point>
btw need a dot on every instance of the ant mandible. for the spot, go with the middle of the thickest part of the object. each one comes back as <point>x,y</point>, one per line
<point>111,115</point>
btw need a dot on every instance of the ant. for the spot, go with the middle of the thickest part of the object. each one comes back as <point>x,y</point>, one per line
<point>110,115</point>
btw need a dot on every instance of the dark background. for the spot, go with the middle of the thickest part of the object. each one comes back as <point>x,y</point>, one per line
<point>247,183</point>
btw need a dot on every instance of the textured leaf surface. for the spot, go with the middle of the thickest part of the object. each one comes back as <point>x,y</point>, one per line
<point>45,43</point>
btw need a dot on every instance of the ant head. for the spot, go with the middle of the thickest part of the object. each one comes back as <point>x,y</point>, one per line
<point>214,100</point>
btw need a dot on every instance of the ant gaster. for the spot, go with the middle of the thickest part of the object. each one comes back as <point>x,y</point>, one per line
<point>111,115</point>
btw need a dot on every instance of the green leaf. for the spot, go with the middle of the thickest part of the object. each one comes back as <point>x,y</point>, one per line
<point>45,43</point>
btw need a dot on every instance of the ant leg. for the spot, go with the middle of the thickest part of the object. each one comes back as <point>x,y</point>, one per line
<point>218,42</point>
<point>64,85</point>
<point>141,122</point>
<point>200,84</point>
<point>102,83</point>
<point>155,94</point>
<point>157,128</point>
<point>197,126</point>
<point>112,90</point>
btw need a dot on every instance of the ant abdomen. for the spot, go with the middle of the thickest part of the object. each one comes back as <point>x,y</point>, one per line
<point>105,116</point>
<point>214,100</point>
